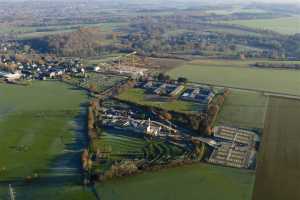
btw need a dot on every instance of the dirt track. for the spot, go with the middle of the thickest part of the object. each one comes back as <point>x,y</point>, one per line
<point>278,171</point>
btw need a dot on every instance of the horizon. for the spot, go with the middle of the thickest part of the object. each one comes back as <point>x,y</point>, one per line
<point>176,1</point>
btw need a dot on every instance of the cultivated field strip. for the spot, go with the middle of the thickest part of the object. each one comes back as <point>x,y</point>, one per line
<point>278,174</point>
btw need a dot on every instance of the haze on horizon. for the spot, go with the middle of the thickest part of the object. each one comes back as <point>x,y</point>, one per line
<point>205,1</point>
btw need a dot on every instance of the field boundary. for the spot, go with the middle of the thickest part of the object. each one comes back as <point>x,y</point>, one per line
<point>265,92</point>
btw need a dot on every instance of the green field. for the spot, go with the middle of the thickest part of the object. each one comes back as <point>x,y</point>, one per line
<point>238,74</point>
<point>278,164</point>
<point>139,96</point>
<point>243,109</point>
<point>286,25</point>
<point>41,128</point>
<point>120,143</point>
<point>193,182</point>
<point>100,81</point>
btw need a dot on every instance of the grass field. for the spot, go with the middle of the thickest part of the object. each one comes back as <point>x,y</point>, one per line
<point>139,96</point>
<point>286,25</point>
<point>193,182</point>
<point>279,162</point>
<point>121,143</point>
<point>41,131</point>
<point>101,81</point>
<point>243,109</point>
<point>238,74</point>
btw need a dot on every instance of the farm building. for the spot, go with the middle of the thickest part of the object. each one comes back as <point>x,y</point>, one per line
<point>201,95</point>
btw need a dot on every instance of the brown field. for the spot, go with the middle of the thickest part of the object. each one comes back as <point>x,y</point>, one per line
<point>278,171</point>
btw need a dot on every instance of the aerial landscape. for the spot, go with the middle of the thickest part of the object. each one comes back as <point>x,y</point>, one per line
<point>164,100</point>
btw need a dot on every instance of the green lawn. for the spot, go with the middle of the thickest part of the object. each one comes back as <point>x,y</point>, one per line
<point>243,109</point>
<point>121,143</point>
<point>138,96</point>
<point>285,25</point>
<point>193,182</point>
<point>238,74</point>
<point>38,124</point>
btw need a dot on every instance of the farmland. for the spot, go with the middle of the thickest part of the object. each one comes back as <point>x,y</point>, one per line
<point>286,25</point>
<point>277,172</point>
<point>191,181</point>
<point>236,74</point>
<point>38,123</point>
<point>243,109</point>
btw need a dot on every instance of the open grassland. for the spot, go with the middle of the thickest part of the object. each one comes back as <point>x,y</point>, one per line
<point>285,25</point>
<point>278,172</point>
<point>139,96</point>
<point>238,74</point>
<point>189,182</point>
<point>41,129</point>
<point>243,109</point>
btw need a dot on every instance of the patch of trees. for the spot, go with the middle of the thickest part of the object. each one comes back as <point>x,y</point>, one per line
<point>151,36</point>
<point>85,42</point>
<point>276,65</point>
<point>212,113</point>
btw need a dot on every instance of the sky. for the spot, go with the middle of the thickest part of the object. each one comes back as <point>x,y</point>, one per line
<point>207,1</point>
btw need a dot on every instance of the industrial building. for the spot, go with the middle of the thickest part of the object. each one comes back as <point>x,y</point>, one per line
<point>199,94</point>
<point>236,149</point>
<point>169,89</point>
